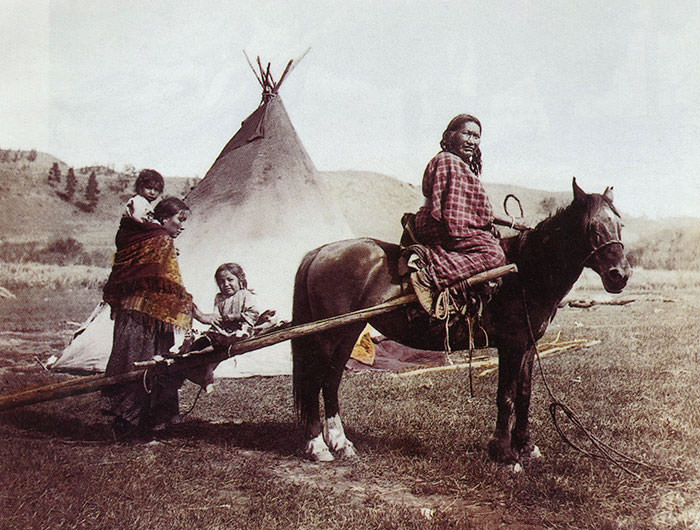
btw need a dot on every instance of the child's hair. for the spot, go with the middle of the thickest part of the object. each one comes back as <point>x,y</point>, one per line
<point>236,270</point>
<point>168,207</point>
<point>149,178</point>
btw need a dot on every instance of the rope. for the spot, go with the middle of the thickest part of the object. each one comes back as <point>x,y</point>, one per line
<point>145,382</point>
<point>602,246</point>
<point>606,451</point>
<point>443,305</point>
<point>193,403</point>
<point>505,205</point>
<point>471,352</point>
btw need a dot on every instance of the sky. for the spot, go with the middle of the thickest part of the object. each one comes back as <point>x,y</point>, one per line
<point>606,91</point>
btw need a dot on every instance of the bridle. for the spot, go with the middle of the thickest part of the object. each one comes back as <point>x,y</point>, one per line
<point>604,244</point>
<point>601,247</point>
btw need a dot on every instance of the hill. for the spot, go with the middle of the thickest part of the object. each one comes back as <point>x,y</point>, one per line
<point>34,210</point>
<point>373,203</point>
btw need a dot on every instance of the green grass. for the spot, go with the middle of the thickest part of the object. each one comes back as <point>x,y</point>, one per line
<point>235,462</point>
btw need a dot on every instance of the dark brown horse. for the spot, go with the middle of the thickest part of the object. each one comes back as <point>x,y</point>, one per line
<point>347,275</point>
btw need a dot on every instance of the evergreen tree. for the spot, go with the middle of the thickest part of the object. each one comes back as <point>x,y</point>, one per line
<point>92,192</point>
<point>55,173</point>
<point>71,184</point>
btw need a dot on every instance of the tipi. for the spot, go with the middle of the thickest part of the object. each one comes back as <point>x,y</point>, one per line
<point>260,205</point>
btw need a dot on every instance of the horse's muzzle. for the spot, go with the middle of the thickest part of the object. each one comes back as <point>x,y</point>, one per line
<point>615,278</point>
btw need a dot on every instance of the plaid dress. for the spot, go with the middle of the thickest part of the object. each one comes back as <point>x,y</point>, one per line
<point>455,222</point>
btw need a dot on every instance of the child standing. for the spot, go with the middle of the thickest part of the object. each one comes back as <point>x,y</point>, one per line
<point>149,185</point>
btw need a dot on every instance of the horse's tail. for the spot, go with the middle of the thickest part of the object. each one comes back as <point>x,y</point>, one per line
<point>308,363</point>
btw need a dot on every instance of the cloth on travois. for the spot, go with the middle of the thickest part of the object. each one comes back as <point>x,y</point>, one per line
<point>455,222</point>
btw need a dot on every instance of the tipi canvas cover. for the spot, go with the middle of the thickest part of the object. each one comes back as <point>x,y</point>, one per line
<point>260,205</point>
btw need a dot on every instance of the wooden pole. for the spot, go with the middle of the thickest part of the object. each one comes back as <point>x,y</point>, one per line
<point>253,69</point>
<point>511,223</point>
<point>284,74</point>
<point>84,385</point>
<point>491,274</point>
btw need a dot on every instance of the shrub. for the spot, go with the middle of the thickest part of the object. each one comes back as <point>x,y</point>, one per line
<point>61,251</point>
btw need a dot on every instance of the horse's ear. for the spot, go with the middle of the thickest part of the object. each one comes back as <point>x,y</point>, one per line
<point>579,194</point>
<point>608,194</point>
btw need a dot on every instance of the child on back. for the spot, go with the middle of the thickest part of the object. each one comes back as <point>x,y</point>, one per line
<point>148,186</point>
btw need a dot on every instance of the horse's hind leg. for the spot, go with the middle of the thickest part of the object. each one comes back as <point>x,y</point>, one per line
<point>333,431</point>
<point>309,372</point>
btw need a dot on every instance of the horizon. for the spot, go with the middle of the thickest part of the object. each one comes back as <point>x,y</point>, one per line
<point>609,94</point>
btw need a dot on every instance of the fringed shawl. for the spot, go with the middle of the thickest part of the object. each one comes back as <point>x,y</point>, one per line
<point>146,277</point>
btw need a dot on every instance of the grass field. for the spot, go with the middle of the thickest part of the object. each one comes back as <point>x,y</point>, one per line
<point>235,462</point>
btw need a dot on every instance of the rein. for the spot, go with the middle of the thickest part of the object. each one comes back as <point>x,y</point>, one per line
<point>605,450</point>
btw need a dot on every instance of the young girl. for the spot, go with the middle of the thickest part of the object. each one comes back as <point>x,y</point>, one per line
<point>148,186</point>
<point>236,311</point>
<point>236,315</point>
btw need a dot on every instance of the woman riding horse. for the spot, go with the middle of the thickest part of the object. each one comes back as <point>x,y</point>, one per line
<point>344,276</point>
<point>456,220</point>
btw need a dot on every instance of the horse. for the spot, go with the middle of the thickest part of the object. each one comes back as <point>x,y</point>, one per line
<point>344,276</point>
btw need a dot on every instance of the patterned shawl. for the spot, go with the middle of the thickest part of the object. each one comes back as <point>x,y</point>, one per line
<point>146,277</point>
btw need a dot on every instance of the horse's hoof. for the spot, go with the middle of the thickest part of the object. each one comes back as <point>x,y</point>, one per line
<point>530,452</point>
<point>516,468</point>
<point>501,452</point>
<point>348,451</point>
<point>322,456</point>
<point>317,450</point>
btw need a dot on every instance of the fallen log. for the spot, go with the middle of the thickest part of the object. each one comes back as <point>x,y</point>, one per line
<point>584,304</point>
<point>84,385</point>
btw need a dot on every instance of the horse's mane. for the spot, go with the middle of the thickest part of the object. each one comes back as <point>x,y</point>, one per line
<point>572,220</point>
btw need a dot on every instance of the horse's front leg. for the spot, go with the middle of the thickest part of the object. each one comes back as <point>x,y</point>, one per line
<point>520,440</point>
<point>500,447</point>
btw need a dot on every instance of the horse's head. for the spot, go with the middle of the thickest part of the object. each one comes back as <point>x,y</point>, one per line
<point>603,232</point>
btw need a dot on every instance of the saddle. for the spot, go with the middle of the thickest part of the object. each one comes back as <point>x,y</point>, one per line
<point>467,296</point>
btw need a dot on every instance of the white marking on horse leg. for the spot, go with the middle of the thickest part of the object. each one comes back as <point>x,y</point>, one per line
<point>516,468</point>
<point>535,453</point>
<point>317,450</point>
<point>334,435</point>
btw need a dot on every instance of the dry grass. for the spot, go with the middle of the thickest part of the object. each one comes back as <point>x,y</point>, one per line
<point>235,462</point>
<point>17,276</point>
<point>645,281</point>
